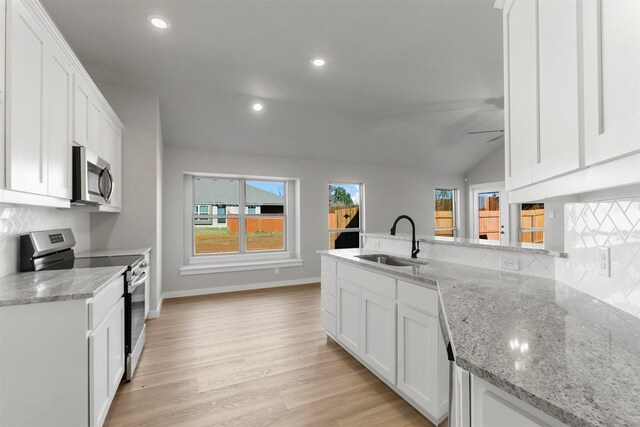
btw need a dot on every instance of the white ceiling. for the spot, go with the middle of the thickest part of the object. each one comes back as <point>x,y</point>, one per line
<point>404,81</point>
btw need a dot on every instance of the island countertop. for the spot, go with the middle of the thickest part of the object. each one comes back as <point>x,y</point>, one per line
<point>556,348</point>
<point>55,285</point>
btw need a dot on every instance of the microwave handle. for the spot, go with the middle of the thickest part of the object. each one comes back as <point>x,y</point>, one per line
<point>108,195</point>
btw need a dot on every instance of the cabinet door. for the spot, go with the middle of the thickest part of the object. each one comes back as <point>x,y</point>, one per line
<point>521,109</point>
<point>492,407</point>
<point>99,378</point>
<point>378,326</point>
<point>26,144</point>
<point>94,123</point>
<point>116,347</point>
<point>81,102</point>
<point>348,314</point>
<point>106,362</point>
<point>611,40</point>
<point>418,357</point>
<point>557,149</point>
<point>58,92</point>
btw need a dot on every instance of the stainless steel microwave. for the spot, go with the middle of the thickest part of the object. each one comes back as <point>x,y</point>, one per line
<point>92,178</point>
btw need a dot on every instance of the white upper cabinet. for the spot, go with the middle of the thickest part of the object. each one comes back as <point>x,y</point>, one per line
<point>611,79</point>
<point>58,123</point>
<point>50,104</point>
<point>557,150</point>
<point>521,112</point>
<point>572,96</point>
<point>541,90</point>
<point>26,141</point>
<point>87,115</point>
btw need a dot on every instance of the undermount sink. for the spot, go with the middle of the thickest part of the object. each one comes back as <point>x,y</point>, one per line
<point>392,260</point>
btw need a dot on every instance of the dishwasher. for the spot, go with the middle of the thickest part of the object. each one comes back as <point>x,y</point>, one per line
<point>459,381</point>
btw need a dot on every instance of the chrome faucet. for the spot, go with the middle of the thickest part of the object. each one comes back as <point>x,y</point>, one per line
<point>415,245</point>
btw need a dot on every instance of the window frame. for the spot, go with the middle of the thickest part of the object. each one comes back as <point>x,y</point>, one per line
<point>361,210</point>
<point>455,209</point>
<point>242,260</point>
<point>522,229</point>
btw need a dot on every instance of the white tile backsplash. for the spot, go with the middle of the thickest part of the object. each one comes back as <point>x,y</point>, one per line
<point>17,221</point>
<point>589,226</point>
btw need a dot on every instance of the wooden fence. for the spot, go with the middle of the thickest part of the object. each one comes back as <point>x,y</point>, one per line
<point>341,216</point>
<point>533,218</point>
<point>444,219</point>
<point>258,225</point>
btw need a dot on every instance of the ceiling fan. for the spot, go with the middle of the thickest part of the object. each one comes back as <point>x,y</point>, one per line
<point>501,131</point>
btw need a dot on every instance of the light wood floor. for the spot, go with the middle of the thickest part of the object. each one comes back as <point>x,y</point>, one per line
<point>252,358</point>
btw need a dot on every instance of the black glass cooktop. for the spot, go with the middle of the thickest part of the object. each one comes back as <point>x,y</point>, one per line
<point>102,261</point>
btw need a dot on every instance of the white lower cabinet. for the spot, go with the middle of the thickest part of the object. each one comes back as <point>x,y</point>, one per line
<point>400,344</point>
<point>61,362</point>
<point>106,362</point>
<point>418,335</point>
<point>348,310</point>
<point>378,326</point>
<point>492,407</point>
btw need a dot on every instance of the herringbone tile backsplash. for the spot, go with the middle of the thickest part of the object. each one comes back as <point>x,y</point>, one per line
<point>17,221</point>
<point>589,226</point>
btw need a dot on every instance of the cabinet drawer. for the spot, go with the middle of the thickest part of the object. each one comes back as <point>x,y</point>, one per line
<point>382,285</point>
<point>328,266</point>
<point>328,284</point>
<point>328,322</point>
<point>100,305</point>
<point>328,302</point>
<point>419,297</point>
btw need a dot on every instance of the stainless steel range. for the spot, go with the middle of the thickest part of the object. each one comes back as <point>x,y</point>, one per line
<point>53,250</point>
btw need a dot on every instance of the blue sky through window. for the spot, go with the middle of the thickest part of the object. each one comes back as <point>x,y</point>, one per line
<point>352,189</point>
<point>274,187</point>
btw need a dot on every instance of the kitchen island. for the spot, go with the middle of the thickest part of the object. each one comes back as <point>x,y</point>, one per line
<point>569,356</point>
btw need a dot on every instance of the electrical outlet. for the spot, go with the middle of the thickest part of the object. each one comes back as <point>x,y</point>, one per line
<point>510,263</point>
<point>604,261</point>
<point>376,244</point>
<point>276,271</point>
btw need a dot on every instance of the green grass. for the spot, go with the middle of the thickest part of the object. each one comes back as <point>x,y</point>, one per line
<point>210,231</point>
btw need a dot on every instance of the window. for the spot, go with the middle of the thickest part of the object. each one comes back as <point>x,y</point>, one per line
<point>445,212</point>
<point>238,216</point>
<point>532,223</point>
<point>345,215</point>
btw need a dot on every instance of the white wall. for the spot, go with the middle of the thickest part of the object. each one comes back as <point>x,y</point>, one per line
<point>139,223</point>
<point>490,169</point>
<point>17,221</point>
<point>389,192</point>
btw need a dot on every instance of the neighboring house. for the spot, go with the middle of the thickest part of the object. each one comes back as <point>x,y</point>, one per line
<point>220,197</point>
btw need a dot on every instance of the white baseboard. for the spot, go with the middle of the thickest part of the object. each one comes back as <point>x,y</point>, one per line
<point>155,313</point>
<point>236,288</point>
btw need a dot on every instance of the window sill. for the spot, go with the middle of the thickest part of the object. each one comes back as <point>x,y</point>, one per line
<point>228,267</point>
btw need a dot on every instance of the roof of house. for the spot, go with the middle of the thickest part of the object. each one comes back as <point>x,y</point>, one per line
<point>211,191</point>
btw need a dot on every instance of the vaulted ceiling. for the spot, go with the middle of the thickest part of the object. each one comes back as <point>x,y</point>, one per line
<point>404,81</point>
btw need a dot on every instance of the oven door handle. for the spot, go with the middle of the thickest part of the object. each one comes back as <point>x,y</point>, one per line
<point>138,282</point>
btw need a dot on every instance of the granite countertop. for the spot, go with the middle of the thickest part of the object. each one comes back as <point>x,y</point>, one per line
<point>558,349</point>
<point>55,285</point>
<point>112,252</point>
<point>531,248</point>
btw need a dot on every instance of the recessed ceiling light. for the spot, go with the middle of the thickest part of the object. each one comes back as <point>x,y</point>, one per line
<point>257,107</point>
<point>159,22</point>
<point>318,62</point>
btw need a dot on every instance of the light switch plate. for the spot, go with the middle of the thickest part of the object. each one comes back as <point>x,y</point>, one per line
<point>604,261</point>
<point>510,263</point>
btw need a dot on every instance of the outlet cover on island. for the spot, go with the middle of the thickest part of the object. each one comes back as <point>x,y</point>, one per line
<point>604,261</point>
<point>510,263</point>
